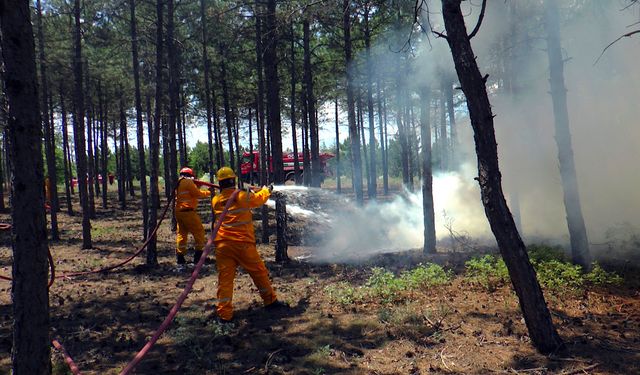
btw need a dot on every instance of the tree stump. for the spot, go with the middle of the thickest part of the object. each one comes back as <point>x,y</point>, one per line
<point>281,228</point>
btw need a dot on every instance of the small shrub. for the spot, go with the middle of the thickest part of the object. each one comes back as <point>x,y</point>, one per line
<point>599,277</point>
<point>545,253</point>
<point>487,271</point>
<point>425,275</point>
<point>557,276</point>
<point>343,293</point>
<point>384,285</point>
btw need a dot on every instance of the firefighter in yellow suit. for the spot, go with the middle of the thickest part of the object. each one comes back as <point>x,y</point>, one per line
<point>235,244</point>
<point>187,217</point>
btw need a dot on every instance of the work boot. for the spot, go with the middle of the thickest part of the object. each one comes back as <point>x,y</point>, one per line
<point>196,256</point>
<point>277,305</point>
<point>181,263</point>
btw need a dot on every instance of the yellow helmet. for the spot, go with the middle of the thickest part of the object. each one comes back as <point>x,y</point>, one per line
<point>225,173</point>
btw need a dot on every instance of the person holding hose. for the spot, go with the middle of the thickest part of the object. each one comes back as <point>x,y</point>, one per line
<point>235,244</point>
<point>187,195</point>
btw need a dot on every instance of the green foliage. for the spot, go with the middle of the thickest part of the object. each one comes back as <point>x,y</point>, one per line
<point>555,274</point>
<point>487,271</point>
<point>384,286</point>
<point>599,277</point>
<point>545,253</point>
<point>426,275</point>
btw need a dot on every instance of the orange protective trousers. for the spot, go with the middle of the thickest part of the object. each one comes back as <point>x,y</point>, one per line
<point>230,254</point>
<point>189,222</point>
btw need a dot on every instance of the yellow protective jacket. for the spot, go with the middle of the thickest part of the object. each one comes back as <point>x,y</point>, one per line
<point>188,194</point>
<point>238,222</point>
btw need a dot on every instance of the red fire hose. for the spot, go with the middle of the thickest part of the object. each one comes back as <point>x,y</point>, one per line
<point>67,358</point>
<point>4,226</point>
<point>174,310</point>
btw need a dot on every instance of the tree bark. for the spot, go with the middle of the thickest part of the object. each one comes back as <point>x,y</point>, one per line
<point>90,166</point>
<point>294,137</point>
<point>174,79</point>
<point>48,135</point>
<point>385,175</point>
<point>30,298</point>
<point>78,131</point>
<point>123,167</point>
<point>532,303</point>
<point>356,161</point>
<point>427,174</point>
<point>338,183</point>
<point>65,155</point>
<point>575,221</point>
<point>273,92</point>
<point>372,186</point>
<point>103,144</point>
<point>228,117</point>
<point>154,143</point>
<point>316,167</point>
<point>142,165</point>
<point>207,88</point>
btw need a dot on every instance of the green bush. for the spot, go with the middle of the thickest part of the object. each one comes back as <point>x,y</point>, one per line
<point>557,276</point>
<point>545,253</point>
<point>554,272</point>
<point>384,286</point>
<point>599,277</point>
<point>426,275</point>
<point>487,271</point>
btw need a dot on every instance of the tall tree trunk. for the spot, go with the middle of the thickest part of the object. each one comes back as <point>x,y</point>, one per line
<point>207,87</point>
<point>3,125</point>
<point>65,155</point>
<point>356,162</point>
<point>401,122</point>
<point>427,175</point>
<point>142,165</point>
<point>122,175</point>
<point>575,221</point>
<point>373,174</point>
<point>385,141</point>
<point>523,277</point>
<point>306,154</point>
<point>154,143</point>
<point>444,139</point>
<point>30,298</point>
<point>174,79</point>
<point>78,131</point>
<point>338,183</point>
<point>260,108</point>
<point>182,143</point>
<point>316,167</point>
<point>363,139</point>
<point>103,145</point>
<point>385,175</point>
<point>90,166</point>
<point>453,135</point>
<point>48,135</point>
<point>294,137</point>
<point>273,92</point>
<point>216,129</point>
<point>228,117</point>
<point>127,153</point>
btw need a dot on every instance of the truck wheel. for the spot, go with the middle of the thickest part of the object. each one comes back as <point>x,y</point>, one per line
<point>291,176</point>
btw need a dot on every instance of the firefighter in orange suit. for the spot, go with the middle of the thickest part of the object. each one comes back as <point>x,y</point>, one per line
<point>187,217</point>
<point>236,244</point>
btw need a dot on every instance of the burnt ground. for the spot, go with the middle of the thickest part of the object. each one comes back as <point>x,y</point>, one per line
<point>459,328</point>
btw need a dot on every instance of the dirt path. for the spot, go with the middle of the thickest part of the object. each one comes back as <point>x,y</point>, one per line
<point>104,319</point>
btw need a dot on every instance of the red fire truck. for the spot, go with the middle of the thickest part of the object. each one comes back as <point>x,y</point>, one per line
<point>252,174</point>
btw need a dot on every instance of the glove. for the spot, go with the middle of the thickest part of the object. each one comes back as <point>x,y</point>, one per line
<point>270,188</point>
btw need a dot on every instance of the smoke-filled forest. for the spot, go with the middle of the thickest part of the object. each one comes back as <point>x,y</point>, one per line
<point>319,187</point>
